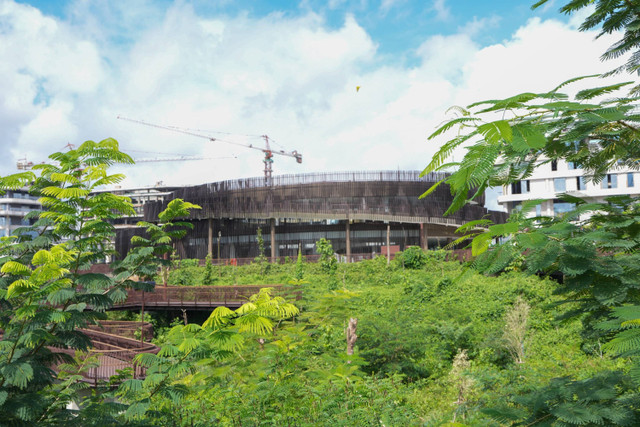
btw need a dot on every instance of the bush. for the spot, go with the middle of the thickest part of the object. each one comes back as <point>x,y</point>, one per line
<point>413,257</point>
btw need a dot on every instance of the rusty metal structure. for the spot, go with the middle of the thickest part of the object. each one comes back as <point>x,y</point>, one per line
<point>125,328</point>
<point>355,210</point>
<point>112,353</point>
<point>200,297</point>
<point>115,343</point>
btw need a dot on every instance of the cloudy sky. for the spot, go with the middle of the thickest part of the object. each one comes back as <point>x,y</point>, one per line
<point>235,70</point>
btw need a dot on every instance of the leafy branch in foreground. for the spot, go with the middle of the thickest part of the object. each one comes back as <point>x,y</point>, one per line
<point>43,296</point>
<point>534,129</point>
<point>592,250</point>
<point>149,253</point>
<point>192,348</point>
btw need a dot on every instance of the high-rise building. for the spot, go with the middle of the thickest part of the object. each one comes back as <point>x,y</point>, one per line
<point>557,177</point>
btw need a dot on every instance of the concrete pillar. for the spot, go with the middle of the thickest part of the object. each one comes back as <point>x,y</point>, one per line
<point>424,236</point>
<point>273,239</point>
<point>348,240</point>
<point>210,241</point>
<point>388,243</point>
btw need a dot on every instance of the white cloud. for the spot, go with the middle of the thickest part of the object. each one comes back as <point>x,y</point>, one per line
<point>442,11</point>
<point>477,25</point>
<point>293,78</point>
<point>386,5</point>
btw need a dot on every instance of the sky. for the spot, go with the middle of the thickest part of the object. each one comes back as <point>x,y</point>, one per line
<point>351,85</point>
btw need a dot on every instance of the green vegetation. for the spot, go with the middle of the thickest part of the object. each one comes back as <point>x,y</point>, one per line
<point>497,342</point>
<point>434,344</point>
<point>413,257</point>
<point>592,249</point>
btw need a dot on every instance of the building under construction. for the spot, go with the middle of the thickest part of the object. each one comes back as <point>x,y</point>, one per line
<point>360,212</point>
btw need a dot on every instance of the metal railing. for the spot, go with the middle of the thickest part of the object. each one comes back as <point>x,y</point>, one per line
<point>114,353</point>
<point>201,297</point>
<point>312,178</point>
<point>125,328</point>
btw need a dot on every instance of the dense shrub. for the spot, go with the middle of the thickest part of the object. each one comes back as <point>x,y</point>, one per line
<point>413,257</point>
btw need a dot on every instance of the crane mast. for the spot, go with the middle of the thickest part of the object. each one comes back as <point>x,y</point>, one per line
<point>267,151</point>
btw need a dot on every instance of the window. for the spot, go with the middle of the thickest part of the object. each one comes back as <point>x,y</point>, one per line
<point>538,210</point>
<point>520,187</point>
<point>580,183</point>
<point>560,184</point>
<point>571,165</point>
<point>516,206</point>
<point>610,181</point>
<point>630,182</point>
<point>560,207</point>
<point>554,165</point>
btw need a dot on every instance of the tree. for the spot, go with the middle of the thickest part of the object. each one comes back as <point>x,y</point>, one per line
<point>299,266</point>
<point>261,259</point>
<point>209,277</point>
<point>328,261</point>
<point>45,293</point>
<point>43,296</point>
<point>148,253</point>
<point>595,247</point>
<point>191,348</point>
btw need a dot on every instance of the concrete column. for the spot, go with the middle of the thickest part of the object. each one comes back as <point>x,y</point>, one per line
<point>388,243</point>
<point>273,239</point>
<point>210,241</point>
<point>348,240</point>
<point>424,235</point>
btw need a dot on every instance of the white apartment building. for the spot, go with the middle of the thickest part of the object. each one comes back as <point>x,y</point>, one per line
<point>558,177</point>
<point>14,205</point>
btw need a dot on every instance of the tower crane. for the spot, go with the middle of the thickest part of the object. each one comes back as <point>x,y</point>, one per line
<point>24,164</point>
<point>268,152</point>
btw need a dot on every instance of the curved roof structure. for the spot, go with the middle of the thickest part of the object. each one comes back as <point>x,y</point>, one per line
<point>388,196</point>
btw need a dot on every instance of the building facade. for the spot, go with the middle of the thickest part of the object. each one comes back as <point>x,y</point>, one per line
<point>14,205</point>
<point>554,178</point>
<point>360,212</point>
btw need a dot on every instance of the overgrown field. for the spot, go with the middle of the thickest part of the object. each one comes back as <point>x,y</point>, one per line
<point>435,344</point>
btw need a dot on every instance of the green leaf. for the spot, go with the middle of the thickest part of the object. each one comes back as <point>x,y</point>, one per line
<point>17,374</point>
<point>189,344</point>
<point>131,385</point>
<point>15,268</point>
<point>431,189</point>
<point>598,91</point>
<point>495,132</point>
<point>526,137</point>
<point>137,410</point>
<point>451,123</point>
<point>503,229</point>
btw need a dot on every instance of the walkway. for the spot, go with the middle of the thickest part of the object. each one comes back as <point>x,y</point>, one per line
<point>113,352</point>
<point>200,297</point>
<point>116,343</point>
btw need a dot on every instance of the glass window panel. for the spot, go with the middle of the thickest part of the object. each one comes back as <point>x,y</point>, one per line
<point>560,184</point>
<point>610,181</point>
<point>561,207</point>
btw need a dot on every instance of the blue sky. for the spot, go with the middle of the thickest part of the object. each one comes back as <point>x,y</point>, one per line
<point>285,69</point>
<point>398,26</point>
